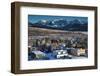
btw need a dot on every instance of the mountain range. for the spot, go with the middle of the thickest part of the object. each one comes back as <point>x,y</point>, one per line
<point>61,24</point>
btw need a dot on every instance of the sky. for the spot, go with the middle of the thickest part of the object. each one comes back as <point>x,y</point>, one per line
<point>36,18</point>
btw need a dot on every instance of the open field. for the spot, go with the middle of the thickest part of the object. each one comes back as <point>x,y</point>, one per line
<point>38,33</point>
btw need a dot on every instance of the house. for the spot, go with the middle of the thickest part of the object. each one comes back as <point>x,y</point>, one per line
<point>78,52</point>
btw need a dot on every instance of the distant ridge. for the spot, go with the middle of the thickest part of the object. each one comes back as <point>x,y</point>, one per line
<point>61,24</point>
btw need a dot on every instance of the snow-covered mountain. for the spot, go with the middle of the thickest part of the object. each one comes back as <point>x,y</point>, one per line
<point>61,24</point>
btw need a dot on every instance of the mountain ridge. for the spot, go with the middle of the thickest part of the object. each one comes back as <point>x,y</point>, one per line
<point>61,24</point>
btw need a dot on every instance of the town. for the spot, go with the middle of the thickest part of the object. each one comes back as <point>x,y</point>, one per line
<point>47,44</point>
